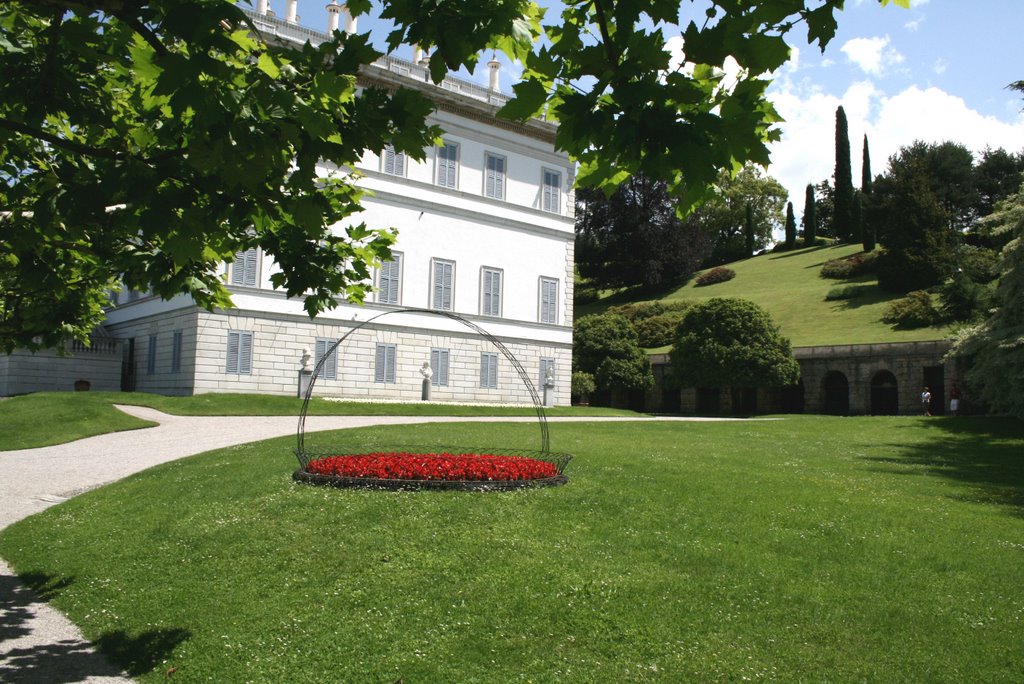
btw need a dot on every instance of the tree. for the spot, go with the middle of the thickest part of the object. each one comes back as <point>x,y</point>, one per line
<point>748,230</point>
<point>998,174</point>
<point>842,219</point>
<point>790,227</point>
<point>993,351</point>
<point>727,342</point>
<point>948,168</point>
<point>824,207</point>
<point>606,347</point>
<point>724,215</point>
<point>914,229</point>
<point>867,230</point>
<point>810,217</point>
<point>144,143</point>
<point>635,237</point>
<point>857,220</point>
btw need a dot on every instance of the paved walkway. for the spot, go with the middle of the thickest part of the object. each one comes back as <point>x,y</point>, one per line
<point>39,644</point>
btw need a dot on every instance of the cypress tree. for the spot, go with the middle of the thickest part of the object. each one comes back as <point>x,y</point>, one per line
<point>790,227</point>
<point>748,229</point>
<point>858,217</point>
<point>810,218</point>
<point>865,169</point>
<point>842,219</point>
<point>867,231</point>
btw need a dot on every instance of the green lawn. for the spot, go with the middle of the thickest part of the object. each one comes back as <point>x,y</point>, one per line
<point>46,418</point>
<point>788,286</point>
<point>805,549</point>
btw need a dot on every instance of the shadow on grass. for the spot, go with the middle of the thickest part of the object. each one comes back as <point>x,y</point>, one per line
<point>30,653</point>
<point>799,251</point>
<point>985,454</point>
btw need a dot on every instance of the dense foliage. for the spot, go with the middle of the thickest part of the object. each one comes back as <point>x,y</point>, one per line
<point>718,274</point>
<point>790,227</point>
<point>607,347</point>
<point>731,343</point>
<point>810,217</point>
<point>655,322</point>
<point>913,311</point>
<point>725,215</point>
<point>635,238</point>
<point>994,350</point>
<point>145,143</point>
<point>842,219</point>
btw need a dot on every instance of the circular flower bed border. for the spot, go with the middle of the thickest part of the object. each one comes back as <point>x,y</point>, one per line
<point>455,469</point>
<point>383,470</point>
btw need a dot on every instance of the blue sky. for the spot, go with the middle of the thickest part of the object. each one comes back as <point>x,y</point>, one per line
<point>935,72</point>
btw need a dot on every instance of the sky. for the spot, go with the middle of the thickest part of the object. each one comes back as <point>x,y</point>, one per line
<point>936,72</point>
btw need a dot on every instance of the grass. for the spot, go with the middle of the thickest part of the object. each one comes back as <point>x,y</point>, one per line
<point>788,286</point>
<point>806,549</point>
<point>46,418</point>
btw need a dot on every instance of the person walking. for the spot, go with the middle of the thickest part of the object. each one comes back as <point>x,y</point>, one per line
<point>954,401</point>
<point>926,401</point>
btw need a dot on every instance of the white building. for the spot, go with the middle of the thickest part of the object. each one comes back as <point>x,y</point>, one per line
<point>485,230</point>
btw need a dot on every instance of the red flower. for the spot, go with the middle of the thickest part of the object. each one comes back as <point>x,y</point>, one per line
<point>444,466</point>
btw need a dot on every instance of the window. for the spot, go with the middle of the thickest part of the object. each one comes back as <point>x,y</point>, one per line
<point>389,280</point>
<point>151,356</point>
<point>384,368</point>
<point>329,371</point>
<point>546,364</point>
<point>448,165</point>
<point>488,370</point>
<point>548,300</point>
<point>439,364</point>
<point>243,270</point>
<point>176,352</point>
<point>393,162</point>
<point>551,192</point>
<point>239,353</point>
<point>490,292</point>
<point>494,176</point>
<point>444,279</point>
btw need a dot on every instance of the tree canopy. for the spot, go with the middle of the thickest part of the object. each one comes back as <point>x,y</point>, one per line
<point>146,142</point>
<point>635,237</point>
<point>727,342</point>
<point>606,347</point>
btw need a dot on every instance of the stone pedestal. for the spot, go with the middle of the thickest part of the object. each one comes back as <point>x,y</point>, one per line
<point>305,378</point>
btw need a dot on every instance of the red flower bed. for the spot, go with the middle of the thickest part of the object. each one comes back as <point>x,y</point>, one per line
<point>449,467</point>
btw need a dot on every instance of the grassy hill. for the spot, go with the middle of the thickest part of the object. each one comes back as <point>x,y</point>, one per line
<point>789,287</point>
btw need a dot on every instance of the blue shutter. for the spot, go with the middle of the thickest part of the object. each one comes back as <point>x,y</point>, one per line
<point>232,361</point>
<point>495,186</point>
<point>389,363</point>
<point>389,280</point>
<point>245,353</point>
<point>176,352</point>
<point>439,364</point>
<point>551,192</point>
<point>447,165</point>
<point>378,368</point>
<point>329,369</point>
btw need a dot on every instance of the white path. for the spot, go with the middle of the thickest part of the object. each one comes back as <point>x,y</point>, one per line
<point>37,643</point>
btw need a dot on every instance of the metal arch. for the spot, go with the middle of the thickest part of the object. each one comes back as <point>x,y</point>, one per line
<point>538,405</point>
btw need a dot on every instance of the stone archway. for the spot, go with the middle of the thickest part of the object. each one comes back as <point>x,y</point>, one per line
<point>885,396</point>
<point>836,393</point>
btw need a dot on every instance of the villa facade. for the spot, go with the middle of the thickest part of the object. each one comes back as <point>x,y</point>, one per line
<point>485,231</point>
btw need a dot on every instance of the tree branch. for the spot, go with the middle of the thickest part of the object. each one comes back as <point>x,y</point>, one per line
<point>602,23</point>
<point>59,141</point>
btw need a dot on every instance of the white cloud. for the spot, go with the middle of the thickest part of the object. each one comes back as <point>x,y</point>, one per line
<point>940,66</point>
<point>871,55</point>
<point>806,153</point>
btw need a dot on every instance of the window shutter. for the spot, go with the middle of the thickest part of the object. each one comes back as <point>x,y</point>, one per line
<point>548,300</point>
<point>232,364</point>
<point>551,192</point>
<point>245,353</point>
<point>378,368</point>
<point>389,363</point>
<point>439,364</point>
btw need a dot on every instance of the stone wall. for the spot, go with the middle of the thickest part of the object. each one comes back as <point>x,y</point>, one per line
<point>878,379</point>
<point>48,371</point>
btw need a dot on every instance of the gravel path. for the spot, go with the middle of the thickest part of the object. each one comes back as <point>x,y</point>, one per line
<point>37,643</point>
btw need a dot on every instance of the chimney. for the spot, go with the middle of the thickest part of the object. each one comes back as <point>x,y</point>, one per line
<point>350,21</point>
<point>333,10</point>
<point>290,11</point>
<point>495,67</point>
<point>261,7</point>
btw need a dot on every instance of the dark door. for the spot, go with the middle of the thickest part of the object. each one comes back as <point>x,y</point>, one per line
<point>837,394</point>
<point>884,394</point>
<point>793,398</point>
<point>935,381</point>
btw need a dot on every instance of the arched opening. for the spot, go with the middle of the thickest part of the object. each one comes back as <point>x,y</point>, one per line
<point>836,392</point>
<point>884,394</point>
<point>793,398</point>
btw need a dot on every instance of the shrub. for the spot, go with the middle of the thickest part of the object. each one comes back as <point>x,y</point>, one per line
<point>638,311</point>
<point>850,267</point>
<point>965,300</point>
<point>978,263</point>
<point>583,385</point>
<point>658,331</point>
<point>848,292</point>
<point>584,294</point>
<point>719,274</point>
<point>913,311</point>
